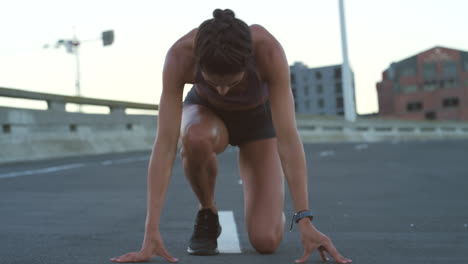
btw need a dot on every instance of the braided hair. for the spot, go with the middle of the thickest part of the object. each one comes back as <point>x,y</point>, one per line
<point>223,44</point>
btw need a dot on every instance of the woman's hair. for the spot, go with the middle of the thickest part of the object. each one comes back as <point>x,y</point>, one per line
<point>223,44</point>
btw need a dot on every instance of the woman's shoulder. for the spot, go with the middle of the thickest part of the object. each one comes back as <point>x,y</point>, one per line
<point>181,54</point>
<point>266,48</point>
<point>184,45</point>
<point>261,36</point>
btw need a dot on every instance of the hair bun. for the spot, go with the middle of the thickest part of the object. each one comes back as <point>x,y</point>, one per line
<point>226,15</point>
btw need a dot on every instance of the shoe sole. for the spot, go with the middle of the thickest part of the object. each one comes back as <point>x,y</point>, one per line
<point>202,252</point>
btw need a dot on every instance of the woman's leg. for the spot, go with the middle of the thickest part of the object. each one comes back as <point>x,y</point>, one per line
<point>263,182</point>
<point>203,136</point>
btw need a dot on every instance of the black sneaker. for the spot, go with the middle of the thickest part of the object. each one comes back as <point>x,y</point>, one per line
<point>205,234</point>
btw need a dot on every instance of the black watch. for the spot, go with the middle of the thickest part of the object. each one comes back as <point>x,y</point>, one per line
<point>299,215</point>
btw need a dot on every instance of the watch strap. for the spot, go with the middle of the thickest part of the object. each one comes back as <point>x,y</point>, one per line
<point>299,215</point>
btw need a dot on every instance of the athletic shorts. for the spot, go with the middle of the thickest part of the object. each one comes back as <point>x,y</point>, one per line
<point>243,125</point>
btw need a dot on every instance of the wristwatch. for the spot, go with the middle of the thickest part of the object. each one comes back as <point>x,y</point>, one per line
<point>299,215</point>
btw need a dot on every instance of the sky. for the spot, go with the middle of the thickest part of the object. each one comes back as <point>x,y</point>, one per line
<point>379,33</point>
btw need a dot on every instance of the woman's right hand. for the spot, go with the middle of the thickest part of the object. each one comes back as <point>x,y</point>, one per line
<point>151,247</point>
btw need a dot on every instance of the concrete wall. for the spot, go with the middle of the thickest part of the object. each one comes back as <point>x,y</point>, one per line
<point>41,134</point>
<point>35,134</point>
<point>316,129</point>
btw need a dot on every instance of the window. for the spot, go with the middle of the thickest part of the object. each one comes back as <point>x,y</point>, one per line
<point>450,83</point>
<point>73,128</point>
<point>429,71</point>
<point>452,102</point>
<point>430,85</point>
<point>431,115</point>
<point>339,87</point>
<point>337,73</point>
<point>319,89</point>
<point>6,128</point>
<point>414,106</point>
<point>320,103</point>
<point>306,90</point>
<point>450,69</point>
<point>409,88</point>
<point>318,75</point>
<point>307,104</point>
<point>339,102</point>
<point>293,78</point>
<point>408,72</point>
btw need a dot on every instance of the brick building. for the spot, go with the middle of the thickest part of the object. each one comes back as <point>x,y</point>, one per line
<point>432,85</point>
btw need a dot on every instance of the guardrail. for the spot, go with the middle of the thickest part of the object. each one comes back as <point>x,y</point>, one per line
<point>316,129</point>
<point>39,134</point>
<point>57,102</point>
<point>28,134</point>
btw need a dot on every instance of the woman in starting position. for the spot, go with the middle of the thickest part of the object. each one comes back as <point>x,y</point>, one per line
<point>241,96</point>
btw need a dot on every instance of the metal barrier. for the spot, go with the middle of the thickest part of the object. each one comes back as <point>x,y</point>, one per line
<point>40,134</point>
<point>57,102</point>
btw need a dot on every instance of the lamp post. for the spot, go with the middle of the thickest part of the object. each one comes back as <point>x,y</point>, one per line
<point>72,46</point>
<point>348,89</point>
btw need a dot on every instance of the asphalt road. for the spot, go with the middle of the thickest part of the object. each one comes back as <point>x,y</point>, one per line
<point>394,202</point>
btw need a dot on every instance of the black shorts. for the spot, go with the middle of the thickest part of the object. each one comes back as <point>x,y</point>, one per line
<point>242,125</point>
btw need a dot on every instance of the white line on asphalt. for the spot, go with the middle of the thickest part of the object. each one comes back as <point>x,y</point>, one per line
<point>327,153</point>
<point>228,241</point>
<point>122,161</point>
<point>70,166</point>
<point>361,146</point>
<point>42,171</point>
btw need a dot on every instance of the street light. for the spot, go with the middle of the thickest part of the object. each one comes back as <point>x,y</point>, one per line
<point>72,47</point>
<point>348,89</point>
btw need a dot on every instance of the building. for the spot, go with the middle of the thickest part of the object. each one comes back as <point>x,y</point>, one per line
<point>431,85</point>
<point>317,91</point>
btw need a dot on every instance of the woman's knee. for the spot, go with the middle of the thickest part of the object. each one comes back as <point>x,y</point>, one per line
<point>265,242</point>
<point>196,142</point>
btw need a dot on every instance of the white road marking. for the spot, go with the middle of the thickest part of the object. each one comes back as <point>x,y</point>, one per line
<point>228,241</point>
<point>70,166</point>
<point>240,182</point>
<point>327,153</point>
<point>123,161</point>
<point>361,146</point>
<point>42,171</point>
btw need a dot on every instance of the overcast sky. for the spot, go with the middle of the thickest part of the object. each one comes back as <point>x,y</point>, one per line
<point>379,32</point>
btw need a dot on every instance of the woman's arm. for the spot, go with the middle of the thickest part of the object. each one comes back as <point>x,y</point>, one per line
<point>177,71</point>
<point>275,70</point>
<point>165,146</point>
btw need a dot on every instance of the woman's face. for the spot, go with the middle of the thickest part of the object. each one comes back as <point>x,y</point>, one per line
<point>223,83</point>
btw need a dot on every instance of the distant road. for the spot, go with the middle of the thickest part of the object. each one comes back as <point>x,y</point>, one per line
<point>395,202</point>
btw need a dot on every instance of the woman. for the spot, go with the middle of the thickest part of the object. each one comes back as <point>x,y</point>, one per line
<point>241,96</point>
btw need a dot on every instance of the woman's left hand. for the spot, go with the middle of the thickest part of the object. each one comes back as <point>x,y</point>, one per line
<point>313,239</point>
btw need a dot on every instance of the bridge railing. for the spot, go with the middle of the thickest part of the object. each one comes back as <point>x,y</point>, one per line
<point>317,129</point>
<point>39,134</point>
<point>58,102</point>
